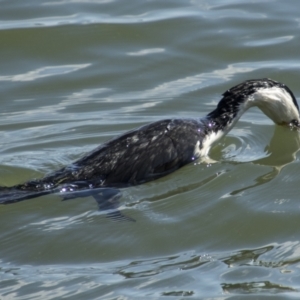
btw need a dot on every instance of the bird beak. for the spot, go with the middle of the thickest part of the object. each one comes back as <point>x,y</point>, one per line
<point>294,124</point>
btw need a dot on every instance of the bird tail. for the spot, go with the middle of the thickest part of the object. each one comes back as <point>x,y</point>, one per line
<point>9,195</point>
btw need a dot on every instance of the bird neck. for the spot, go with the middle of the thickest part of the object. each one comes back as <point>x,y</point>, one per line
<point>227,113</point>
<point>274,99</point>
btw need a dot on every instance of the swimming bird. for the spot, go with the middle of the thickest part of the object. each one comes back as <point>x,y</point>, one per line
<point>159,148</point>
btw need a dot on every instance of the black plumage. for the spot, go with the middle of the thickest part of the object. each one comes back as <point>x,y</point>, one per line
<point>140,155</point>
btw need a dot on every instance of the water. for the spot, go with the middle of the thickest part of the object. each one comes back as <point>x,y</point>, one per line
<point>76,73</point>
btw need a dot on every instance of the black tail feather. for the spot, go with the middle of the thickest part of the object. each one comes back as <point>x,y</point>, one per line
<point>9,195</point>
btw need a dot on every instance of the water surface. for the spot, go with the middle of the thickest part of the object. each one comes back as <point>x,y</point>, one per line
<point>76,73</point>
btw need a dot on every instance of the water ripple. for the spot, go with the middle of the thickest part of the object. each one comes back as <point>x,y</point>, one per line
<point>247,271</point>
<point>146,52</point>
<point>44,72</point>
<point>84,19</point>
<point>271,41</point>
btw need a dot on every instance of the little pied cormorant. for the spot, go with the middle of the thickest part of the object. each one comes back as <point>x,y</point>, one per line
<point>159,148</point>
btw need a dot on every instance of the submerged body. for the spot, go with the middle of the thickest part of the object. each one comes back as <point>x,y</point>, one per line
<point>159,148</point>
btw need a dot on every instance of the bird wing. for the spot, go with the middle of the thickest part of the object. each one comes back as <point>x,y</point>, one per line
<point>141,155</point>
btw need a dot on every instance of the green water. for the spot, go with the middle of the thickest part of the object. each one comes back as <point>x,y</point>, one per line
<point>74,74</point>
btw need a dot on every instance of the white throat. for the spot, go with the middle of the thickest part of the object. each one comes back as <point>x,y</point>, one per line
<point>276,103</point>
